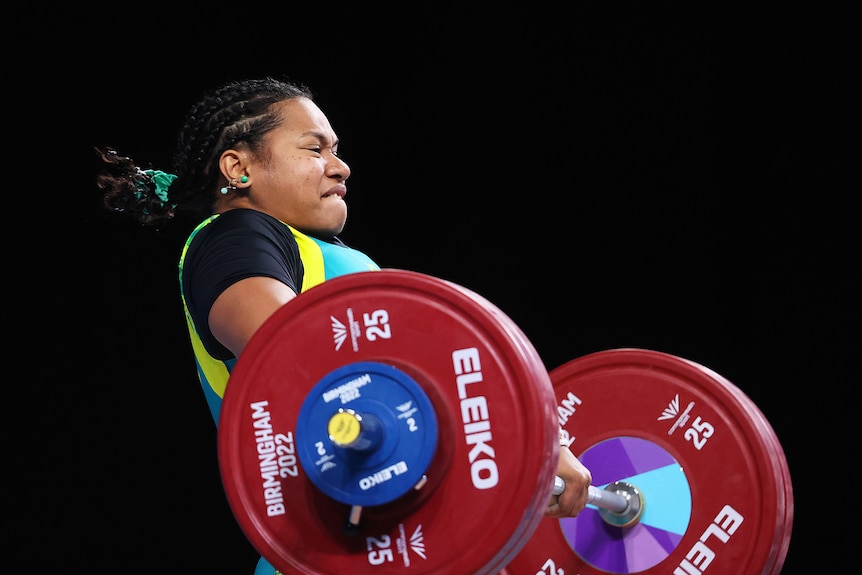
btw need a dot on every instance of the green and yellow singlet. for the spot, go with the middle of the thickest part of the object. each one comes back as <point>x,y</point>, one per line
<point>241,243</point>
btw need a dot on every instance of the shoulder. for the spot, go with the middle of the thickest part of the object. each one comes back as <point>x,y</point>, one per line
<point>237,244</point>
<point>240,234</point>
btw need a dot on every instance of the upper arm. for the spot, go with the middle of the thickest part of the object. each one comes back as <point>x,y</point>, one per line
<point>243,307</point>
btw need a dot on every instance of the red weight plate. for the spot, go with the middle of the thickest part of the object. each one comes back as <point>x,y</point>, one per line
<point>781,541</point>
<point>713,475</point>
<point>488,481</point>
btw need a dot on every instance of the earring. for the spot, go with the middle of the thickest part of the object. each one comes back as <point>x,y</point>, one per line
<point>230,186</point>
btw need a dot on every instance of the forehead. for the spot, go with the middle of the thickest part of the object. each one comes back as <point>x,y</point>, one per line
<point>302,115</point>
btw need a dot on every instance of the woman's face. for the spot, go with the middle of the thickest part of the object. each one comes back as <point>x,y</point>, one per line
<point>301,179</point>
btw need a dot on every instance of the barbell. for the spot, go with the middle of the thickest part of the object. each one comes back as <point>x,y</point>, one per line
<point>394,422</point>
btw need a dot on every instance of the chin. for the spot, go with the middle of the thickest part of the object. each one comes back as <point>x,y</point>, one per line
<point>325,233</point>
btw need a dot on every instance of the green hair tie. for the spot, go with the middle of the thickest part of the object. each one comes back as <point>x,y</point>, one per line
<point>162,181</point>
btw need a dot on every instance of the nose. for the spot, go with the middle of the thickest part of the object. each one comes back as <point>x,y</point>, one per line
<point>337,168</point>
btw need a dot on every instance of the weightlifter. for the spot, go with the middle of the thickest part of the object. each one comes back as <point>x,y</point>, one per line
<point>257,164</point>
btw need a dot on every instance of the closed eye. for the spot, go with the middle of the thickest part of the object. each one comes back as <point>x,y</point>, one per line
<point>319,150</point>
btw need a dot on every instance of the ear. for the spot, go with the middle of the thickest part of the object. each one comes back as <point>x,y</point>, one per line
<point>233,164</point>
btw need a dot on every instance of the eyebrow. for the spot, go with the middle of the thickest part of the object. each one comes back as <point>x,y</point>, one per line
<point>320,136</point>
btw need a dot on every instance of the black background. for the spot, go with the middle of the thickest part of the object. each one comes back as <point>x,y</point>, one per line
<point>679,170</point>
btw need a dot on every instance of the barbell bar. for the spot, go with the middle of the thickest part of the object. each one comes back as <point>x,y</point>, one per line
<point>621,503</point>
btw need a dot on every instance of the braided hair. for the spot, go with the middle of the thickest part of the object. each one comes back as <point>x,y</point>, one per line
<point>240,111</point>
